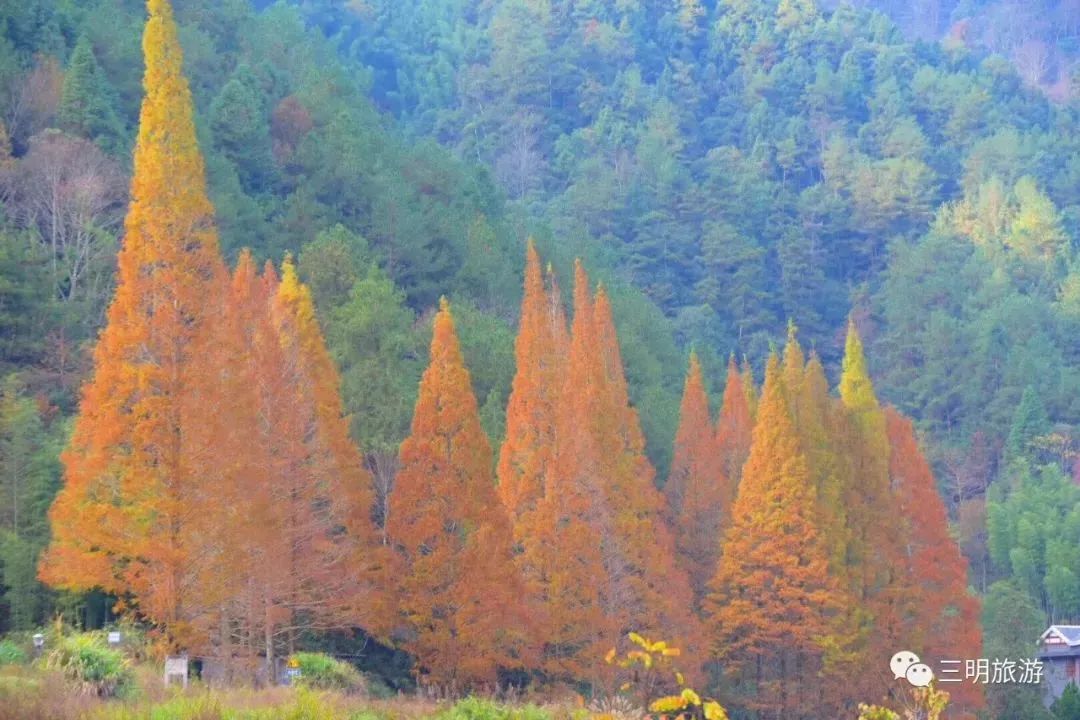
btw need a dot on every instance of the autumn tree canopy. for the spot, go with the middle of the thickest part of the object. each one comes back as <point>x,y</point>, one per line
<point>773,601</point>
<point>120,522</point>
<point>697,490</point>
<point>460,599</point>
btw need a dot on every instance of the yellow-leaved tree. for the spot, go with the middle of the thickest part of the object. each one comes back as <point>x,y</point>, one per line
<point>120,521</point>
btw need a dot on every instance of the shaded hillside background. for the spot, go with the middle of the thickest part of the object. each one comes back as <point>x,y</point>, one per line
<point>1042,37</point>
<point>723,166</point>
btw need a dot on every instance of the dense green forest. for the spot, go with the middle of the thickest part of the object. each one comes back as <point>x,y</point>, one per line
<point>724,167</point>
<point>1040,37</point>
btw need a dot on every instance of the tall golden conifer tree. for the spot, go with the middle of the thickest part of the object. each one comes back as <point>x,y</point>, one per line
<point>733,429</point>
<point>120,521</point>
<point>697,490</point>
<point>530,414</point>
<point>460,599</point>
<point>772,603</point>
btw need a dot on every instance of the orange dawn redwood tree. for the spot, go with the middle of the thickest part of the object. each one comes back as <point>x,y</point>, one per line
<point>596,554</point>
<point>120,520</point>
<point>460,598</point>
<point>773,600</point>
<point>697,489</point>
<point>530,413</point>
<point>647,591</point>
<point>942,617</point>
<point>561,559</point>
<point>304,515</point>
<point>210,481</point>
<point>733,429</point>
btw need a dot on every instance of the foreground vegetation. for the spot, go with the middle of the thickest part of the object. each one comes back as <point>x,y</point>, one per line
<point>85,679</point>
<point>30,694</point>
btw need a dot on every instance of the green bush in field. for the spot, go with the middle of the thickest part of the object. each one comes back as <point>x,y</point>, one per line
<point>85,660</point>
<point>11,653</point>
<point>474,708</point>
<point>322,672</point>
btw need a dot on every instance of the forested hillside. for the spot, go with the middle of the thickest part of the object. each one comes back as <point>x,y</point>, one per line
<point>1039,36</point>
<point>737,174</point>
<point>746,163</point>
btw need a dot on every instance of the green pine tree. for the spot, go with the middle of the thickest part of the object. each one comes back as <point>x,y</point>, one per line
<point>86,100</point>
<point>241,125</point>
<point>1029,422</point>
<point>1067,707</point>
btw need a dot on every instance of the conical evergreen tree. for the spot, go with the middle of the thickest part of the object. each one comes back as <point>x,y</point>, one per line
<point>772,600</point>
<point>86,102</point>
<point>530,414</point>
<point>941,618</point>
<point>460,597</point>
<point>697,491</point>
<point>733,429</point>
<point>1029,421</point>
<point>119,521</point>
<point>562,559</point>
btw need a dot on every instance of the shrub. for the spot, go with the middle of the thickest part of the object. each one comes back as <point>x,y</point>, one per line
<point>474,708</point>
<point>11,653</point>
<point>95,668</point>
<point>322,672</point>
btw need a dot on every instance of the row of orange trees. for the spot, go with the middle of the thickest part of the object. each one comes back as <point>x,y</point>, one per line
<point>211,484</point>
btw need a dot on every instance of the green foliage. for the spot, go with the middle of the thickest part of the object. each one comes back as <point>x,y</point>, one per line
<point>1067,707</point>
<point>94,668</point>
<point>1012,620</point>
<point>487,342</point>
<point>371,333</point>
<point>322,672</point>
<point>29,478</point>
<point>1029,422</point>
<point>87,100</point>
<point>1034,536</point>
<point>475,708</point>
<point>240,121</point>
<point>24,300</point>
<point>304,705</point>
<point>11,653</point>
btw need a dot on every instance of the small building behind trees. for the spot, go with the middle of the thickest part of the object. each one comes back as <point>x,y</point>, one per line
<point>1059,651</point>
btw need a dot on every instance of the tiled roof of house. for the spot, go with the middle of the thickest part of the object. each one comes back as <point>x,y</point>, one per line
<point>1069,633</point>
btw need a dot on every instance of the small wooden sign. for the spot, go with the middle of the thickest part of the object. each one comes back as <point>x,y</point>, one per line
<point>176,668</point>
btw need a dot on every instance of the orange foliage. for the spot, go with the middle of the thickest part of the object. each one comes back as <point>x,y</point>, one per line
<point>942,618</point>
<point>561,557</point>
<point>460,599</point>
<point>733,429</point>
<point>773,601</point>
<point>120,522</point>
<point>320,495</point>
<point>647,589</point>
<point>210,482</point>
<point>697,490</point>
<point>530,413</point>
